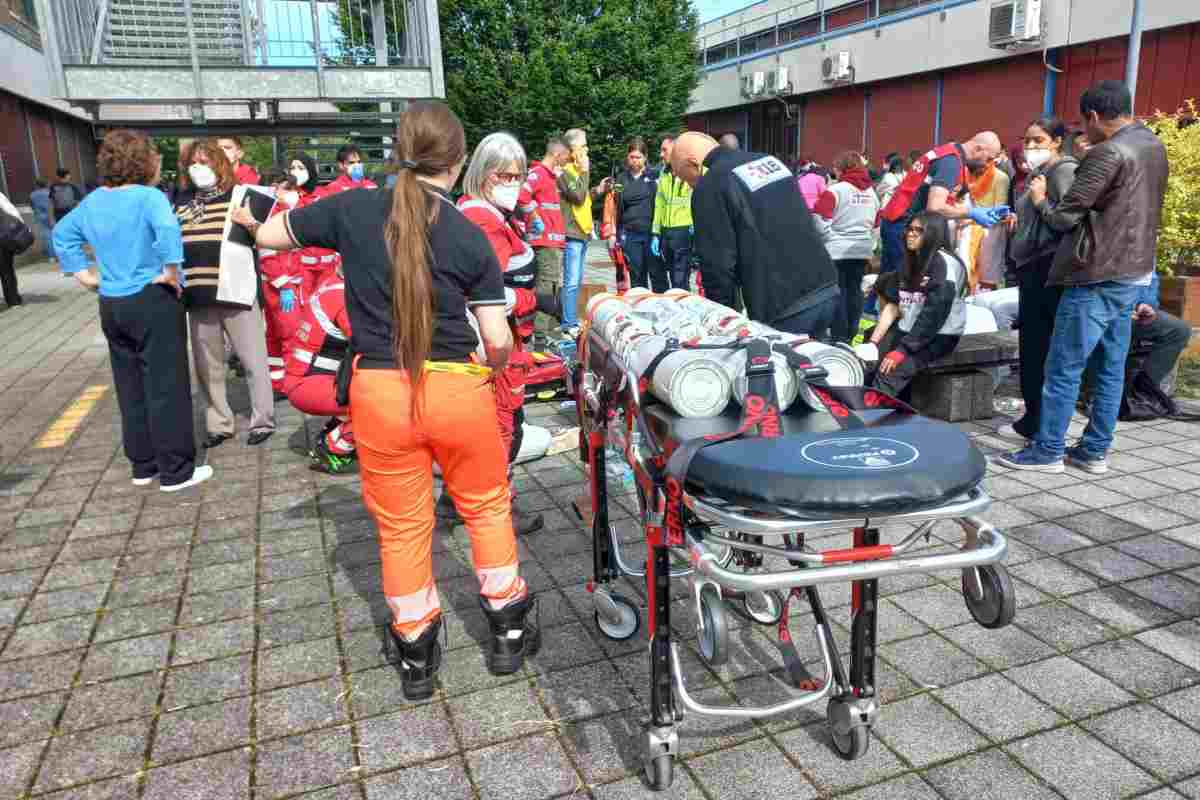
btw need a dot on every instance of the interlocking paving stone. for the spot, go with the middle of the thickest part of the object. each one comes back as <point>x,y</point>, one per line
<point>78,757</point>
<point>1063,626</point>
<point>17,765</point>
<point>1183,704</point>
<point>534,767</point>
<point>122,788</point>
<point>1180,641</point>
<point>300,708</point>
<point>48,637</point>
<point>999,708</point>
<point>1173,592</point>
<point>45,606</point>
<point>486,717</point>
<point>211,641</point>
<point>1119,608</point>
<point>208,681</point>
<point>312,761</point>
<point>124,623</point>
<point>28,719</point>
<point>297,662</point>
<point>1110,564</point>
<point>999,649</point>
<point>1161,551</point>
<point>1137,668</point>
<point>126,657</point>
<point>405,737</point>
<point>925,732</point>
<point>753,770</point>
<point>931,660</point>
<point>202,729</point>
<point>991,775</point>
<point>112,701</point>
<point>445,780</point>
<point>1104,527</point>
<point>1069,687</point>
<point>1079,766</point>
<point>1149,738</point>
<point>909,787</point>
<point>225,776</point>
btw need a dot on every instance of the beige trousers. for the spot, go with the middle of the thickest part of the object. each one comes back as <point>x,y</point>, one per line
<point>247,332</point>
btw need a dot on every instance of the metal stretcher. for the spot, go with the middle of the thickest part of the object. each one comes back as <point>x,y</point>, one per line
<point>743,499</point>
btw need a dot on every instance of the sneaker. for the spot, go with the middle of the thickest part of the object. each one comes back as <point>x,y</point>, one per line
<point>1081,459</point>
<point>1029,459</point>
<point>199,475</point>
<point>334,464</point>
<point>419,661</point>
<point>569,331</point>
<point>1007,431</point>
<point>145,481</point>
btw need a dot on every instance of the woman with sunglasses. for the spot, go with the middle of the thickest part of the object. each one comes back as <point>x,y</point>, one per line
<point>929,292</point>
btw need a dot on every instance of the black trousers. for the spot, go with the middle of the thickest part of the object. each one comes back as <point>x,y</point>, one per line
<point>1168,337</point>
<point>849,309</point>
<point>899,378</point>
<point>644,266</point>
<point>8,279</point>
<point>147,345</point>
<point>677,256</point>
<point>1038,305</point>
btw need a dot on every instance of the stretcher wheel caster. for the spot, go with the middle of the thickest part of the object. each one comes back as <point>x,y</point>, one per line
<point>765,608</point>
<point>660,772</point>
<point>989,595</point>
<point>714,632</point>
<point>616,616</point>
<point>853,745</point>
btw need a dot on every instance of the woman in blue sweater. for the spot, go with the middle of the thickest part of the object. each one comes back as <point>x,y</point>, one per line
<point>138,247</point>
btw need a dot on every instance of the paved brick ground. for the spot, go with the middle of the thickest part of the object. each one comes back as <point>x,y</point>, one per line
<point>227,643</point>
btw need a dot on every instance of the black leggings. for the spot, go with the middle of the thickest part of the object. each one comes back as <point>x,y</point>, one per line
<point>1036,312</point>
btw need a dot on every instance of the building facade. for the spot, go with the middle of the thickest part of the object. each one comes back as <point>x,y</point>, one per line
<point>906,74</point>
<point>38,133</point>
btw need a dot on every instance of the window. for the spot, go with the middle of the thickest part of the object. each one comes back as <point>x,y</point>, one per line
<point>21,10</point>
<point>892,6</point>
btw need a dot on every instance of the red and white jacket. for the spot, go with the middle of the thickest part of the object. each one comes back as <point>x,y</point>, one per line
<point>280,270</point>
<point>539,197</point>
<point>514,254</point>
<point>321,339</point>
<point>917,177</point>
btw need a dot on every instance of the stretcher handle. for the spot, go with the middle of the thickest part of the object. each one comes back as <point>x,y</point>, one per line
<point>872,553</point>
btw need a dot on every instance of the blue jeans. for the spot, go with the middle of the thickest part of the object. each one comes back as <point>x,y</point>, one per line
<point>1094,318</point>
<point>573,256</point>
<point>891,237</point>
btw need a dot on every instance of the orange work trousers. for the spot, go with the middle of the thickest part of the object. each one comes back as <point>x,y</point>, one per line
<point>456,426</point>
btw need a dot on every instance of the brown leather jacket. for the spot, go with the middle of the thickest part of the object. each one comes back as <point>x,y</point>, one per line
<point>1119,190</point>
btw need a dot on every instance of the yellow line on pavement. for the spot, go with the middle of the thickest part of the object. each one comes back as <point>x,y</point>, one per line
<point>69,421</point>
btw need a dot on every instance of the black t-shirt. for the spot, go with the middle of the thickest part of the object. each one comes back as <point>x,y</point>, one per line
<point>944,172</point>
<point>636,201</point>
<point>464,268</point>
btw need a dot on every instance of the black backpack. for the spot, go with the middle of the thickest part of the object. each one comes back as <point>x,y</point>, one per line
<point>1144,400</point>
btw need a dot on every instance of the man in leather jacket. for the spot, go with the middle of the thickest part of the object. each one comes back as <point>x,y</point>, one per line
<point>1112,213</point>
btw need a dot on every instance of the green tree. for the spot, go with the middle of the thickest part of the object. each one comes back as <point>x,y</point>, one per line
<point>616,68</point>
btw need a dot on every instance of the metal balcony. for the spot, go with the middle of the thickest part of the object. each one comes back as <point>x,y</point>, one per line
<point>204,52</point>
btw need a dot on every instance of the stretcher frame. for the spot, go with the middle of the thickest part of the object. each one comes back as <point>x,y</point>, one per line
<point>609,391</point>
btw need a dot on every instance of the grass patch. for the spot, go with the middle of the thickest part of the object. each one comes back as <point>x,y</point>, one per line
<point>1188,383</point>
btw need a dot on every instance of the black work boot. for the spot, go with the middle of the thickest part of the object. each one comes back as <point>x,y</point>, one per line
<point>419,661</point>
<point>514,635</point>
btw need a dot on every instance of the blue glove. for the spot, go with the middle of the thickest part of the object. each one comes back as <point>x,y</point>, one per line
<point>656,247</point>
<point>691,230</point>
<point>287,300</point>
<point>537,227</point>
<point>987,217</point>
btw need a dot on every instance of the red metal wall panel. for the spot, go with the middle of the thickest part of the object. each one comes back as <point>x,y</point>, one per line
<point>45,149</point>
<point>846,16</point>
<point>14,147</point>
<point>997,95</point>
<point>901,116</point>
<point>833,122</point>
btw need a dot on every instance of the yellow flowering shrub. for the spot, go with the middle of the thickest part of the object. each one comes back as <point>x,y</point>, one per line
<point>1179,237</point>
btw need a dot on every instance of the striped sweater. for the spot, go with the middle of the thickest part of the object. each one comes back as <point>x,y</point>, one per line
<point>203,226</point>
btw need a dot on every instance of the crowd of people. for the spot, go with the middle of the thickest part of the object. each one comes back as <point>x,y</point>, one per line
<point>404,315</point>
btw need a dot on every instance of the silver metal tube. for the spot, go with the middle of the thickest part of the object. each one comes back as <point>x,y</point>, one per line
<point>992,547</point>
<point>973,502</point>
<point>814,558</point>
<point>753,712</point>
<point>316,23</point>
<point>1135,50</point>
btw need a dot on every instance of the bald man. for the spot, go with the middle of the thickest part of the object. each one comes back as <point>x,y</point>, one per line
<point>754,232</point>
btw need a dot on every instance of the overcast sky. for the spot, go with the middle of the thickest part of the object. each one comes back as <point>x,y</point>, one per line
<point>715,8</point>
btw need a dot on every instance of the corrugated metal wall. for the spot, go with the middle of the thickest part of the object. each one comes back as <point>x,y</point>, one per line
<point>902,115</point>
<point>833,122</point>
<point>57,140</point>
<point>14,148</point>
<point>998,95</point>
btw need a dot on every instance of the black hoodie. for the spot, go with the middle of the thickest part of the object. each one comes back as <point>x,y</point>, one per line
<point>310,165</point>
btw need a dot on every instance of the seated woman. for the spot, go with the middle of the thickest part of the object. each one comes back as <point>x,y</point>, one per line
<point>929,294</point>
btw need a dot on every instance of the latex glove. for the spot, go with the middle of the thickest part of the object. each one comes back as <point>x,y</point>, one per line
<point>987,217</point>
<point>656,247</point>
<point>510,300</point>
<point>536,227</point>
<point>691,230</point>
<point>287,300</point>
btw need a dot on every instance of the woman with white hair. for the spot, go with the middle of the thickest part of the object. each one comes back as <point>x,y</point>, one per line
<point>491,184</point>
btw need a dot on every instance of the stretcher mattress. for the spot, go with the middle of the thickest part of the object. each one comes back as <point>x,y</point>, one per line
<point>901,464</point>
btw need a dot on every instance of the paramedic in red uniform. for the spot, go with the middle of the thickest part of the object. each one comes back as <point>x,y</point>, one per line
<point>351,173</point>
<point>314,263</point>
<point>317,350</point>
<point>491,187</point>
<point>242,173</point>
<point>281,282</point>
<point>538,204</point>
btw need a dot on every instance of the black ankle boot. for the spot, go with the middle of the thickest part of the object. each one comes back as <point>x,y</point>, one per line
<point>509,648</point>
<point>419,661</point>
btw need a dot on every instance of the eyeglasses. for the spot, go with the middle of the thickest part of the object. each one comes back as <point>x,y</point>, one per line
<point>914,229</point>
<point>508,177</point>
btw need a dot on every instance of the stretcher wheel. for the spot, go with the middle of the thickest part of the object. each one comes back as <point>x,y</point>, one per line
<point>997,605</point>
<point>714,635</point>
<point>853,745</point>
<point>765,608</point>
<point>660,772</point>
<point>628,625</point>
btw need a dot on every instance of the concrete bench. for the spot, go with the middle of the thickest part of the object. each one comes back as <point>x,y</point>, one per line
<point>961,386</point>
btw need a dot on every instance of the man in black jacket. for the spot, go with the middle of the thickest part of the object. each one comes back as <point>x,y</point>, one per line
<point>754,232</point>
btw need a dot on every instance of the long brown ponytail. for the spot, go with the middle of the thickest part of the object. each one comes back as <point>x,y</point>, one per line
<point>429,141</point>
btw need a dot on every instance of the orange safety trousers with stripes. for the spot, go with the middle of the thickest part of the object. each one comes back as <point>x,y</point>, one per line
<point>456,426</point>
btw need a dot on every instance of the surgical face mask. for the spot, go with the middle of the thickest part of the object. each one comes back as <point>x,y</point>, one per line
<point>355,171</point>
<point>505,195</point>
<point>289,198</point>
<point>202,176</point>
<point>301,176</point>
<point>1036,158</point>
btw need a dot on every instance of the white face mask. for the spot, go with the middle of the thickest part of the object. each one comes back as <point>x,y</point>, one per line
<point>289,198</point>
<point>202,176</point>
<point>301,176</point>
<point>505,195</point>
<point>1036,158</point>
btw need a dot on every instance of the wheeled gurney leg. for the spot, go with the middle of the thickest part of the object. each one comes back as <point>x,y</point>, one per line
<point>616,616</point>
<point>661,739</point>
<point>853,711</point>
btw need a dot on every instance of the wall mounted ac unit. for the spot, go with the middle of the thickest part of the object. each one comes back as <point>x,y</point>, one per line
<point>758,83</point>
<point>1014,22</point>
<point>777,81</point>
<point>837,68</point>
<point>746,86</point>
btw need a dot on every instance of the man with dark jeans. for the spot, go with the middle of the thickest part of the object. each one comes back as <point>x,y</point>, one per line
<point>1113,208</point>
<point>1167,336</point>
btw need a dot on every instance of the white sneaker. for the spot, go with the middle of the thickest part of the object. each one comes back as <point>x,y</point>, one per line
<point>199,475</point>
<point>145,481</point>
<point>1007,431</point>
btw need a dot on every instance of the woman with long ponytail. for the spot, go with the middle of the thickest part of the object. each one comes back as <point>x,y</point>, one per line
<point>423,291</point>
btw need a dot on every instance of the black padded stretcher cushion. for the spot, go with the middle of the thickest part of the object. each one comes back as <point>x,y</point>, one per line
<point>909,464</point>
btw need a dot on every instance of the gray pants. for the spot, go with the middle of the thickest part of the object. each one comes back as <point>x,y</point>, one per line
<point>247,331</point>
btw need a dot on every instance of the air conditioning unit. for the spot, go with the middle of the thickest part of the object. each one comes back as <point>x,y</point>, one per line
<point>746,86</point>
<point>758,83</point>
<point>1014,22</point>
<point>777,81</point>
<point>837,68</point>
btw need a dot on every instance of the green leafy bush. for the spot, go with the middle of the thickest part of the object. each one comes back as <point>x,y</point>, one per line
<point>1179,236</point>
